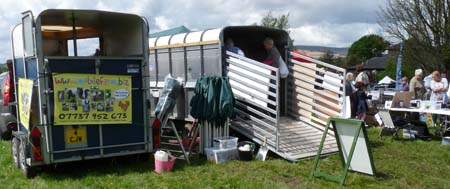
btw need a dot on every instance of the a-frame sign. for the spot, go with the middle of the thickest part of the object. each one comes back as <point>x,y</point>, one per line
<point>354,151</point>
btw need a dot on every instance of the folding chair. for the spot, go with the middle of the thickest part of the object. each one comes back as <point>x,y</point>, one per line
<point>389,128</point>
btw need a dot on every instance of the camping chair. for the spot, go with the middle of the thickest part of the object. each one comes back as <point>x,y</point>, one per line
<point>445,126</point>
<point>389,128</point>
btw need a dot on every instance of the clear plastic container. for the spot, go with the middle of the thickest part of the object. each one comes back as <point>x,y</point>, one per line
<point>217,155</point>
<point>225,142</point>
<point>446,140</point>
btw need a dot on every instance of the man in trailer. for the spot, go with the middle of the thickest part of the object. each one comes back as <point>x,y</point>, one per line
<point>230,47</point>
<point>273,55</point>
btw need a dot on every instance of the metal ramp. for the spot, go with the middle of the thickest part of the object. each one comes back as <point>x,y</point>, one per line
<point>307,105</point>
<point>297,140</point>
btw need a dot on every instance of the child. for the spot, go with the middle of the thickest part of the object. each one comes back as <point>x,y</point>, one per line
<point>361,101</point>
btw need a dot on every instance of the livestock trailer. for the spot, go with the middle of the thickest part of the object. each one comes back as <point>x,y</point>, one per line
<point>81,80</point>
<point>291,112</point>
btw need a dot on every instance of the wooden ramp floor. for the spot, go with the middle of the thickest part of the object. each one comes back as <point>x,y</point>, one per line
<point>297,140</point>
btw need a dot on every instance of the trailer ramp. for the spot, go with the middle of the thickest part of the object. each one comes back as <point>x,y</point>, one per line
<point>293,130</point>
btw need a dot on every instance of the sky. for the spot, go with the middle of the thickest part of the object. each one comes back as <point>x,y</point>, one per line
<point>334,23</point>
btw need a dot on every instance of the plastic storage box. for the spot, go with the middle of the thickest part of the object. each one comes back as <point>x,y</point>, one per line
<point>431,105</point>
<point>225,142</point>
<point>217,155</point>
<point>410,134</point>
<point>446,140</point>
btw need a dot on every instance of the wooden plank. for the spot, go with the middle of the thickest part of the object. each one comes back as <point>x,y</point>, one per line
<point>312,149</point>
<point>306,146</point>
<point>299,138</point>
<point>327,105</point>
<point>306,149</point>
<point>334,104</point>
<point>323,123</point>
<point>310,146</point>
<point>298,130</point>
<point>317,76</point>
<point>324,110</point>
<point>298,152</point>
<point>295,127</point>
<point>302,83</point>
<point>311,154</point>
<point>299,133</point>
<point>304,140</point>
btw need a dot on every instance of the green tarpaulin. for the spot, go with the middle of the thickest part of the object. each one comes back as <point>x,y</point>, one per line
<point>213,99</point>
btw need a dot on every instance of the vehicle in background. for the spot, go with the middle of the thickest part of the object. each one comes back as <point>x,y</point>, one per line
<point>8,122</point>
<point>81,78</point>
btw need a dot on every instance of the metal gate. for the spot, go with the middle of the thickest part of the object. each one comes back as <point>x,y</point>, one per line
<point>314,94</point>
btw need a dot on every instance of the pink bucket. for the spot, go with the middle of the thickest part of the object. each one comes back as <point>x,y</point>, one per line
<point>161,166</point>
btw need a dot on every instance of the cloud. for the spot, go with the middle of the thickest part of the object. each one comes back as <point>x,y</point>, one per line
<point>163,23</point>
<point>335,35</point>
<point>313,22</point>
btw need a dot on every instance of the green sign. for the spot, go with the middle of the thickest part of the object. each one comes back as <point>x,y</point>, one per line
<point>354,151</point>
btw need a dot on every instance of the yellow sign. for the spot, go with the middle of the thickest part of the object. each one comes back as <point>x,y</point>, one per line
<point>82,99</point>
<point>25,95</point>
<point>75,136</point>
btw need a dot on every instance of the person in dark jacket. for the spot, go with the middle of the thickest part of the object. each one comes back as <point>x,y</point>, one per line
<point>361,101</point>
<point>273,55</point>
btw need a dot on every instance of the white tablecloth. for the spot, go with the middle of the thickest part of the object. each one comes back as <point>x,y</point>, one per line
<point>445,111</point>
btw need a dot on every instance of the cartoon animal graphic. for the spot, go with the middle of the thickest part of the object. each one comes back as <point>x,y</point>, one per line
<point>124,105</point>
<point>25,102</point>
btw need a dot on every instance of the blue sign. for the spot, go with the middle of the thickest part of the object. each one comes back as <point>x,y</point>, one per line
<point>398,79</point>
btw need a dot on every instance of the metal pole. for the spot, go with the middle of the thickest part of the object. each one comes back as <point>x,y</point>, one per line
<point>344,97</point>
<point>74,36</point>
<point>277,89</point>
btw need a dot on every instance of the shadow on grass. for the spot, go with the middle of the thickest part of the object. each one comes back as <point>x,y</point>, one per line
<point>383,176</point>
<point>376,144</point>
<point>118,166</point>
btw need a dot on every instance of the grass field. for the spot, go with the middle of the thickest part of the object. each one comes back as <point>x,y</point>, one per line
<point>400,164</point>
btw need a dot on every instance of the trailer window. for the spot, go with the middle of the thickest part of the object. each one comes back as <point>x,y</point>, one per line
<point>27,24</point>
<point>85,47</point>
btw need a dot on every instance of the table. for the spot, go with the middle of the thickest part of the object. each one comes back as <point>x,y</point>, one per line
<point>443,111</point>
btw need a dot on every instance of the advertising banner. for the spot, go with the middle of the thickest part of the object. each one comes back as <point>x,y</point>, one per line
<point>82,99</point>
<point>25,94</point>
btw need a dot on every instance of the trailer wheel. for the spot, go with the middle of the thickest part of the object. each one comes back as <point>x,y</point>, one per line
<point>26,169</point>
<point>15,151</point>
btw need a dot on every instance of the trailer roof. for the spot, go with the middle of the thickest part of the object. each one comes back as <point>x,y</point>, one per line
<point>88,23</point>
<point>211,36</point>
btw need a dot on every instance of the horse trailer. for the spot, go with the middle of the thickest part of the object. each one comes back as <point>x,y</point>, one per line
<point>81,80</point>
<point>290,113</point>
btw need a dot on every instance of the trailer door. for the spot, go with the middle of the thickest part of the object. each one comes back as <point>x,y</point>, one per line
<point>100,140</point>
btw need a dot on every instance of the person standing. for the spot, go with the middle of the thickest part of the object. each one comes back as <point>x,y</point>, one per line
<point>362,75</point>
<point>361,101</point>
<point>438,88</point>
<point>416,85</point>
<point>230,47</point>
<point>427,85</point>
<point>350,92</point>
<point>405,84</point>
<point>273,55</point>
